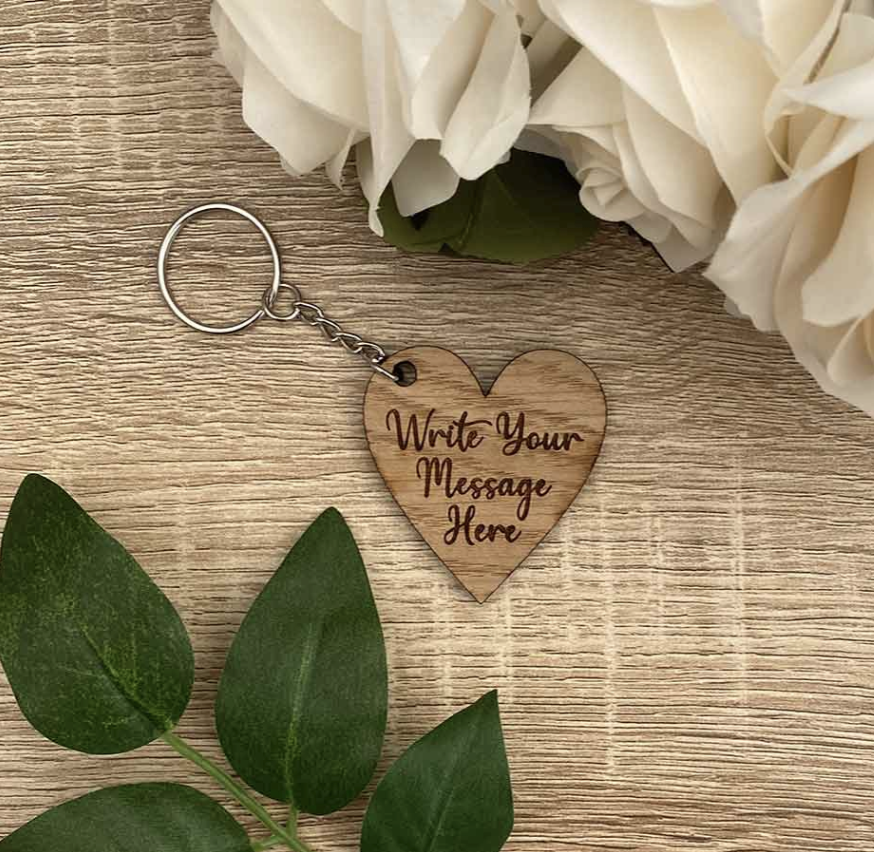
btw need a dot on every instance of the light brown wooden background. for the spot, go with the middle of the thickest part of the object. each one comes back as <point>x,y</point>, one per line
<point>686,664</point>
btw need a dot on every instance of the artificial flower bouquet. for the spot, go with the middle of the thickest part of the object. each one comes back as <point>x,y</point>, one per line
<point>736,132</point>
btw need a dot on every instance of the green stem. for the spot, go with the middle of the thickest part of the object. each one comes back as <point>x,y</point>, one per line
<point>293,814</point>
<point>269,843</point>
<point>243,797</point>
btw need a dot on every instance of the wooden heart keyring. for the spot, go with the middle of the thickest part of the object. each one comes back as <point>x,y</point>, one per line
<point>485,477</point>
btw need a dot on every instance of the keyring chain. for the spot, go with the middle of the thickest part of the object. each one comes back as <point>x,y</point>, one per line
<point>307,312</point>
<point>310,314</point>
<point>451,453</point>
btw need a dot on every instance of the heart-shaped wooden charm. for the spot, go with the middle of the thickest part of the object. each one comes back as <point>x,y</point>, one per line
<point>485,477</point>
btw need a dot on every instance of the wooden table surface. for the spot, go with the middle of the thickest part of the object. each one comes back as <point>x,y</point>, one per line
<point>685,664</point>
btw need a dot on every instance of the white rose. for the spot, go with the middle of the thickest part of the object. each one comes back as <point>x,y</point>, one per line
<point>428,92</point>
<point>799,256</point>
<point>660,115</point>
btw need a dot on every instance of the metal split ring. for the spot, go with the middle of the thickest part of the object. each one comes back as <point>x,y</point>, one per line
<point>373,354</point>
<point>271,294</point>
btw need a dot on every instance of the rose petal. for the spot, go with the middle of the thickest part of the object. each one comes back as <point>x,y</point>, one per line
<point>424,179</point>
<point>846,83</point>
<point>754,254</point>
<point>232,50</point>
<point>586,94</point>
<point>390,140</point>
<point>348,12</point>
<point>625,36</point>
<point>495,106</point>
<point>842,288</point>
<point>799,72</point>
<point>419,28</point>
<point>639,184</point>
<point>291,46</point>
<point>707,51</point>
<point>664,153</point>
<point>303,137</point>
<point>790,26</point>
<point>435,96</point>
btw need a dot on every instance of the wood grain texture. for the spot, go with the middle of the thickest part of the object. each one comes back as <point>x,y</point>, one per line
<point>686,664</point>
<point>484,477</point>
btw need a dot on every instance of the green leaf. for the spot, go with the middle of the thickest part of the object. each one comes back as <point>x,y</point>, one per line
<point>302,702</point>
<point>135,818</point>
<point>96,655</point>
<point>525,210</point>
<point>450,791</point>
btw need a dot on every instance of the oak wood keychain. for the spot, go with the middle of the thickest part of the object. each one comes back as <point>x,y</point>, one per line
<point>483,477</point>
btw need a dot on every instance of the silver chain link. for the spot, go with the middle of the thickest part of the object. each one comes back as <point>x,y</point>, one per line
<point>310,314</point>
<point>372,354</point>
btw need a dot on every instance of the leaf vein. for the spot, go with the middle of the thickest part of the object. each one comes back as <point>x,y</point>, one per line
<point>301,687</point>
<point>161,723</point>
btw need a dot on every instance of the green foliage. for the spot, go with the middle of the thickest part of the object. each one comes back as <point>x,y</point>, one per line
<point>96,655</point>
<point>525,210</point>
<point>302,704</point>
<point>449,791</point>
<point>100,662</point>
<point>136,818</point>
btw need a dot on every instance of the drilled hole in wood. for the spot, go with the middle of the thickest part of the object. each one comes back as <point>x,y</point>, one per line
<point>406,373</point>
